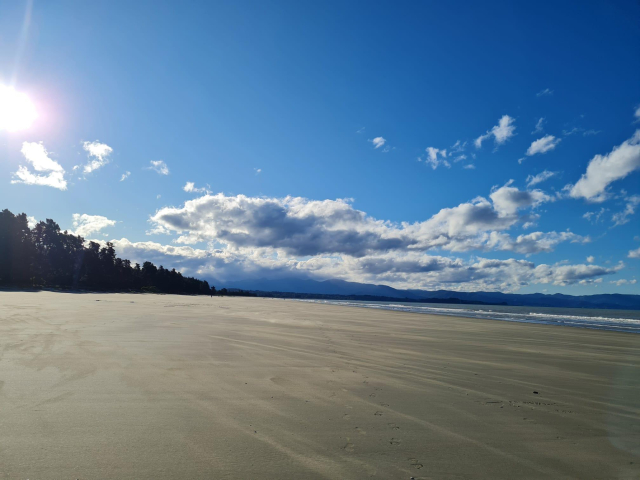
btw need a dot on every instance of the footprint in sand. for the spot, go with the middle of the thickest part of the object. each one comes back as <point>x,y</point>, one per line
<point>361,431</point>
<point>372,395</point>
<point>393,426</point>
<point>384,404</point>
<point>378,413</point>
<point>349,447</point>
<point>395,441</point>
<point>346,416</point>
<point>415,464</point>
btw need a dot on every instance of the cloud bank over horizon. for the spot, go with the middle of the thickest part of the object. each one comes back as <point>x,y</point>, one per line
<point>258,237</point>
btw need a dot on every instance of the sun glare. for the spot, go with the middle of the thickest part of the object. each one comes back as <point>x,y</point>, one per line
<point>17,112</point>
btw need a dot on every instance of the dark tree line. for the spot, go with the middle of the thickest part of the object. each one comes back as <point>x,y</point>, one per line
<point>45,256</point>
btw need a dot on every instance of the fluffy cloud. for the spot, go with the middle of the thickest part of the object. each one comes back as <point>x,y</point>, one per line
<point>297,225</point>
<point>622,217</point>
<point>190,187</point>
<point>398,269</point>
<point>436,157</point>
<point>591,259</point>
<point>500,133</point>
<point>378,142</point>
<point>124,176</point>
<point>543,145</point>
<point>606,169</point>
<point>52,172</point>
<point>507,199</point>
<point>98,155</point>
<point>219,264</point>
<point>85,225</point>
<point>302,227</point>
<point>634,253</point>
<point>539,178</point>
<point>561,274</point>
<point>160,167</point>
<point>535,242</point>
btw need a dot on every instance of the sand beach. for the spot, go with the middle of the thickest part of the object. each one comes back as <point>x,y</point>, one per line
<point>101,386</point>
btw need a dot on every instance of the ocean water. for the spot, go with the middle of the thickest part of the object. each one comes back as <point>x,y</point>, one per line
<point>615,320</point>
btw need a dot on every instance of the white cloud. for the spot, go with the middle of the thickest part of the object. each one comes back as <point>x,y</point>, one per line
<point>594,217</point>
<point>606,169</point>
<point>624,281</point>
<point>53,179</point>
<point>191,188</point>
<point>258,171</point>
<point>458,147</point>
<point>160,167</point>
<point>574,130</point>
<point>36,154</point>
<point>32,222</point>
<point>470,166</point>
<point>436,157</point>
<point>536,242</point>
<point>85,225</point>
<point>508,200</point>
<point>378,142</point>
<point>500,133</point>
<point>591,259</point>
<point>543,145</point>
<point>634,253</point>
<point>637,113</point>
<point>539,178</point>
<point>544,93</point>
<point>539,126</point>
<point>521,160</point>
<point>622,217</point>
<point>301,227</point>
<point>98,154</point>
<point>124,176</point>
<point>398,269</point>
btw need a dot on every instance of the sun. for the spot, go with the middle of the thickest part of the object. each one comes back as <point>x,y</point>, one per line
<point>17,112</point>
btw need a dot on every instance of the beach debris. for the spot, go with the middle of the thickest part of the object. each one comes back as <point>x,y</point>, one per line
<point>536,393</point>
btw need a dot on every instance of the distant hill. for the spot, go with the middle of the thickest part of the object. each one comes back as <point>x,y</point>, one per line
<point>343,288</point>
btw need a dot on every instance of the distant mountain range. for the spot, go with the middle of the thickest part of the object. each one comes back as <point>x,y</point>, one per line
<point>337,288</point>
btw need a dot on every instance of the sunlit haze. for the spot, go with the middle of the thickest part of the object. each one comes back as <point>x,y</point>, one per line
<point>17,111</point>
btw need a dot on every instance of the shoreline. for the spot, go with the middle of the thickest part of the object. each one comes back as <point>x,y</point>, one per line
<point>461,312</point>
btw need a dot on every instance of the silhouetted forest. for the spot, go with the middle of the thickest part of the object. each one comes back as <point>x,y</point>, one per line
<point>45,256</point>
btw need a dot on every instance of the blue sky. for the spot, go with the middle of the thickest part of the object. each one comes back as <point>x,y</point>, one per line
<point>259,101</point>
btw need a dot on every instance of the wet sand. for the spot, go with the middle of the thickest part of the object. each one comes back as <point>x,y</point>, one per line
<point>119,386</point>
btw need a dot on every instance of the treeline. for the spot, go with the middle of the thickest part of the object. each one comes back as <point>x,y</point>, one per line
<point>45,256</point>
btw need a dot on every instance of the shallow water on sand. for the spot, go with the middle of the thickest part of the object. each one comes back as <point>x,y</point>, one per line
<point>615,320</point>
